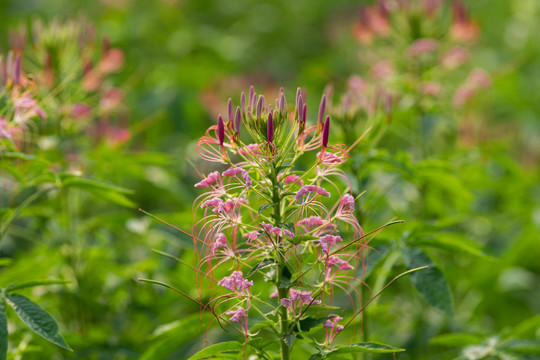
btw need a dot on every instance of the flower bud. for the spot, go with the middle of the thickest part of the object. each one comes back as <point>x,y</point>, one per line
<point>243,101</point>
<point>251,96</point>
<point>299,105</point>
<point>270,128</point>
<point>229,110</point>
<point>304,115</point>
<point>322,107</point>
<point>17,70</point>
<point>282,104</point>
<point>326,132</point>
<point>220,130</point>
<point>237,120</point>
<point>259,106</point>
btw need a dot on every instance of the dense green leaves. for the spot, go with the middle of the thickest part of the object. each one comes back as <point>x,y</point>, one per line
<point>37,319</point>
<point>355,348</point>
<point>430,283</point>
<point>3,332</point>
<point>217,349</point>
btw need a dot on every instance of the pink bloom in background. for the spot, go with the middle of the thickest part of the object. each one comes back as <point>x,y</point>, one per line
<point>80,110</point>
<point>111,61</point>
<point>479,78</point>
<point>430,88</point>
<point>274,230</point>
<point>209,180</point>
<point>382,69</point>
<point>455,57</point>
<point>335,261</point>
<point>309,189</point>
<point>242,172</point>
<point>422,46</point>
<point>235,281</point>
<point>111,99</point>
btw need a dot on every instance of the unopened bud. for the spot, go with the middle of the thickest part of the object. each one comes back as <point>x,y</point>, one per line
<point>220,130</point>
<point>326,132</point>
<point>282,104</point>
<point>237,120</point>
<point>322,107</point>
<point>243,101</point>
<point>259,106</point>
<point>270,128</point>
<point>304,115</point>
<point>17,70</point>
<point>251,95</point>
<point>229,110</point>
<point>299,105</point>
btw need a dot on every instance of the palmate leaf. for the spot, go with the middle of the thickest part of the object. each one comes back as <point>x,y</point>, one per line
<point>430,283</point>
<point>3,332</point>
<point>37,319</point>
<point>356,348</point>
<point>219,349</point>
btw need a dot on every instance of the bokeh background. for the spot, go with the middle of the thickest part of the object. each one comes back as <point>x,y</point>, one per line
<point>474,183</point>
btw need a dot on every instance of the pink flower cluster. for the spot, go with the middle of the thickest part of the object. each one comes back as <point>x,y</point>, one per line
<point>332,327</point>
<point>341,264</point>
<point>309,189</point>
<point>293,179</point>
<point>216,204</point>
<point>220,242</point>
<point>238,316</point>
<point>235,281</point>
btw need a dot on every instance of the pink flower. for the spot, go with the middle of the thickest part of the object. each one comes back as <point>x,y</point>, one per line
<point>81,110</point>
<point>215,203</point>
<point>236,171</point>
<point>293,179</point>
<point>252,235</point>
<point>233,204</point>
<point>326,242</point>
<point>235,281</point>
<point>210,179</point>
<point>220,242</point>
<point>274,230</point>
<point>238,316</point>
<point>341,264</point>
<point>274,295</point>
<point>311,188</point>
<point>347,203</point>
<point>251,149</point>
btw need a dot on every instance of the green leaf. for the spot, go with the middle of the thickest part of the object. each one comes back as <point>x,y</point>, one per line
<point>216,349</point>
<point>69,180</point>
<point>263,264</point>
<point>529,347</point>
<point>3,332</point>
<point>375,257</point>
<point>27,284</point>
<point>5,262</point>
<point>526,328</point>
<point>37,319</point>
<point>452,242</point>
<point>289,340</point>
<point>263,207</point>
<point>456,339</point>
<point>356,348</point>
<point>430,283</point>
<point>307,323</point>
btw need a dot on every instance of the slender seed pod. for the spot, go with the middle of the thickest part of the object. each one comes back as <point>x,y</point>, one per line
<point>326,132</point>
<point>220,130</point>
<point>270,128</point>
<point>282,104</point>
<point>304,115</point>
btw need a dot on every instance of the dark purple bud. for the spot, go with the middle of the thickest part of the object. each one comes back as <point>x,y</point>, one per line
<point>270,128</point>
<point>298,93</point>
<point>229,110</point>
<point>253,101</point>
<point>243,101</point>
<point>326,132</point>
<point>237,120</point>
<point>220,130</point>
<point>17,70</point>
<point>322,107</point>
<point>303,118</point>
<point>259,106</point>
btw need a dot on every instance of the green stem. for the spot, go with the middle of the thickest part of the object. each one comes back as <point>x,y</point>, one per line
<point>282,291</point>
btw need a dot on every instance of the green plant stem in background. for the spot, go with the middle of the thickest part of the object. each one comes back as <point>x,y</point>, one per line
<point>282,291</point>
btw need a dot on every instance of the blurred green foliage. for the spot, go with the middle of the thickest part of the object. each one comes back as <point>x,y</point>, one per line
<point>470,194</point>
